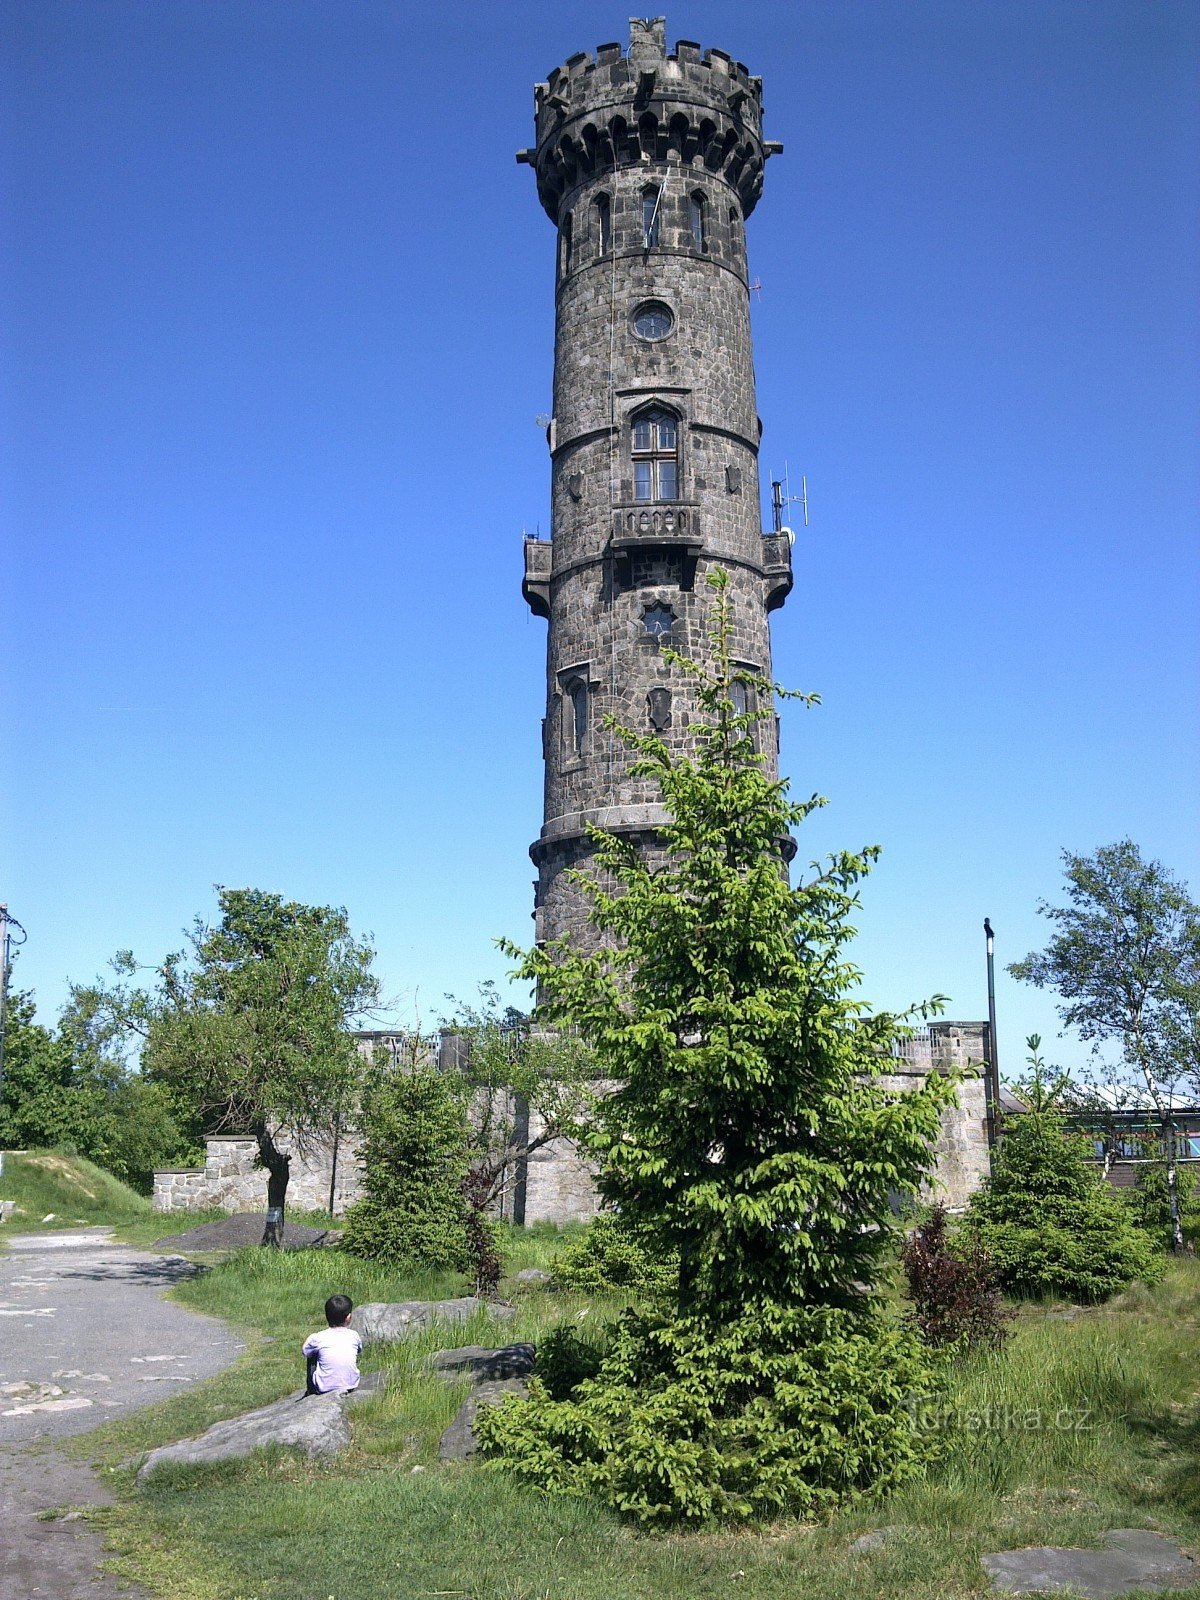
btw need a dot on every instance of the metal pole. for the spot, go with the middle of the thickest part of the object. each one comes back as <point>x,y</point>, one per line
<point>993,1077</point>
<point>3,1002</point>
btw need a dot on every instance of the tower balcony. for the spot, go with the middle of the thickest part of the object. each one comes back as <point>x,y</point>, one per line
<point>535,586</point>
<point>777,568</point>
<point>638,526</point>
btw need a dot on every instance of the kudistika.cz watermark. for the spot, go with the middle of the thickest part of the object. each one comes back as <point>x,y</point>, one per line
<point>929,1416</point>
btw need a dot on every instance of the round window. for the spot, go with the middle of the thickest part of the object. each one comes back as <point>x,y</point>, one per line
<point>653,320</point>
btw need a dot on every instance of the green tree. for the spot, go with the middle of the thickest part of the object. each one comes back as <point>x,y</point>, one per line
<point>415,1158</point>
<point>37,1107</point>
<point>1116,957</point>
<point>249,1026</point>
<point>752,1135</point>
<point>1049,1221</point>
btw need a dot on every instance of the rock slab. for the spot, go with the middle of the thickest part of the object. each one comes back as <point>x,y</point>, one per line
<point>315,1424</point>
<point>396,1320</point>
<point>458,1442</point>
<point>481,1365</point>
<point>1136,1559</point>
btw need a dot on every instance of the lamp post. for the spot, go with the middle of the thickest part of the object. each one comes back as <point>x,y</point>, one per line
<point>7,923</point>
<point>993,1067</point>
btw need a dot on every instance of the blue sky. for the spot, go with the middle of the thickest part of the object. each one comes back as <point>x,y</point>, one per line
<point>279,311</point>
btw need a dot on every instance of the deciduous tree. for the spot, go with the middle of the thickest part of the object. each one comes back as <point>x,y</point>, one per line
<point>250,1024</point>
<point>1119,959</point>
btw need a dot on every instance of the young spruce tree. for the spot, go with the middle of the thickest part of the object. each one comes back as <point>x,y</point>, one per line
<point>752,1134</point>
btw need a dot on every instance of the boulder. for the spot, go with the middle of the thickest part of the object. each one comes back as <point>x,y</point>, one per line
<point>315,1424</point>
<point>458,1441</point>
<point>1135,1559</point>
<point>874,1539</point>
<point>533,1278</point>
<point>481,1365</point>
<point>380,1320</point>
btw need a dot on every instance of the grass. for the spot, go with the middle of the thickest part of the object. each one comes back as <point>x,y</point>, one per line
<point>1086,1420</point>
<point>71,1190</point>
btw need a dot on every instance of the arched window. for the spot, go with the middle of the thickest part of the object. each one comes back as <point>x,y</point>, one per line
<point>655,451</point>
<point>739,693</point>
<point>602,220</point>
<point>697,206</point>
<point>577,694</point>
<point>735,227</point>
<point>564,244</point>
<point>651,215</point>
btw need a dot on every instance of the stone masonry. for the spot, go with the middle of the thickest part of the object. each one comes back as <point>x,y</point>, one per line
<point>648,165</point>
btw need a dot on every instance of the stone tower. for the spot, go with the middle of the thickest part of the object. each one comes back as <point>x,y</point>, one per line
<point>648,165</point>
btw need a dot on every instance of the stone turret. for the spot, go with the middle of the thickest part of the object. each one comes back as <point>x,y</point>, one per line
<point>648,164</point>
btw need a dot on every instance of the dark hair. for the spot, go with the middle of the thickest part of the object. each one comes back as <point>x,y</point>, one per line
<point>337,1308</point>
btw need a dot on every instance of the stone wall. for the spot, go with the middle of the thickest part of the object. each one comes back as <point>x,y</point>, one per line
<point>559,1184</point>
<point>230,1180</point>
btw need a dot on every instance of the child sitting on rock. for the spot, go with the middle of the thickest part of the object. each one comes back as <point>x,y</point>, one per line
<point>332,1354</point>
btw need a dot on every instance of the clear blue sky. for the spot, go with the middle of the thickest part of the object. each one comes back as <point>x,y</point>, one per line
<point>280,310</point>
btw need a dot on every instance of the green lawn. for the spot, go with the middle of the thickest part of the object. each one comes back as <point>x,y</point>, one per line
<point>1086,1421</point>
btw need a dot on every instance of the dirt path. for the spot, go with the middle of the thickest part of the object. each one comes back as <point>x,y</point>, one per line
<point>85,1333</point>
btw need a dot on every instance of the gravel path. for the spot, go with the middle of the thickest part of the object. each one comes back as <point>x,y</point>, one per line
<point>246,1228</point>
<point>85,1333</point>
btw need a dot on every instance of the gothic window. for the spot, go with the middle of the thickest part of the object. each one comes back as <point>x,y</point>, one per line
<point>697,206</point>
<point>659,703</point>
<point>564,245</point>
<point>577,694</point>
<point>651,215</point>
<point>655,448</point>
<point>653,320</point>
<point>602,219</point>
<point>658,621</point>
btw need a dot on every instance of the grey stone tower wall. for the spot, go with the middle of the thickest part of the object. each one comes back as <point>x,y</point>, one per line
<point>611,126</point>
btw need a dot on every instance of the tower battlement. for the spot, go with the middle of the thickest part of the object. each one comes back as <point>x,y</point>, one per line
<point>698,108</point>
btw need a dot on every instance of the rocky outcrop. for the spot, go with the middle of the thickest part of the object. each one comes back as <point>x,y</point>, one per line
<point>380,1320</point>
<point>315,1424</point>
<point>1136,1559</point>
<point>482,1365</point>
<point>458,1441</point>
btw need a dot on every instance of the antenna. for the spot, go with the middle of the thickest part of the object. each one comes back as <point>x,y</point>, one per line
<point>800,499</point>
<point>756,287</point>
<point>541,420</point>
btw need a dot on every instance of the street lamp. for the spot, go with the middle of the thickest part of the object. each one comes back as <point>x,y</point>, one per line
<point>993,1067</point>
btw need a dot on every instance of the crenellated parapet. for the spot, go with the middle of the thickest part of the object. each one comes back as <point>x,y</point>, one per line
<point>598,113</point>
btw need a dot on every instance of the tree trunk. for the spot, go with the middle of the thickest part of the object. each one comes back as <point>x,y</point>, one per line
<point>1168,1135</point>
<point>278,1166</point>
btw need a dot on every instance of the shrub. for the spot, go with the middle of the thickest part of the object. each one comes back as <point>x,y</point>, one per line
<point>612,1254</point>
<point>414,1156</point>
<point>1050,1222</point>
<point>482,1236</point>
<point>565,1359</point>
<point>781,1411</point>
<point>953,1287</point>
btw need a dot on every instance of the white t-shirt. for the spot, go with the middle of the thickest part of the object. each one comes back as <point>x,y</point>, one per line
<point>336,1350</point>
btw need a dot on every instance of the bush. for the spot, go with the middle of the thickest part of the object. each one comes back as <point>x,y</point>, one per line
<point>414,1156</point>
<point>953,1288</point>
<point>612,1254</point>
<point>782,1411</point>
<point>1050,1222</point>
<point>565,1359</point>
